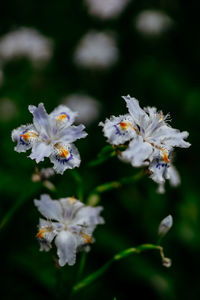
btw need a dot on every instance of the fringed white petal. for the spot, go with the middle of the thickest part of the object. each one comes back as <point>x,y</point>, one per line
<point>65,157</point>
<point>66,248</point>
<point>138,152</point>
<point>51,209</point>
<point>119,130</point>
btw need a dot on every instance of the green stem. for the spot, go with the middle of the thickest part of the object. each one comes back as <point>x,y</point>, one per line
<point>94,276</point>
<point>113,185</point>
<point>81,266</point>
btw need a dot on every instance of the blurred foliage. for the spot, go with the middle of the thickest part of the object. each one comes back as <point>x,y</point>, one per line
<point>161,72</point>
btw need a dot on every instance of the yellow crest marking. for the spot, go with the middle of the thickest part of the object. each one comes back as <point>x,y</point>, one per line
<point>86,237</point>
<point>61,117</point>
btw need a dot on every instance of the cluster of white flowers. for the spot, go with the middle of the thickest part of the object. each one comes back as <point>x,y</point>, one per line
<point>87,107</point>
<point>106,9</point>
<point>149,140</point>
<point>153,22</point>
<point>96,50</point>
<point>26,42</point>
<point>70,222</point>
<point>51,136</point>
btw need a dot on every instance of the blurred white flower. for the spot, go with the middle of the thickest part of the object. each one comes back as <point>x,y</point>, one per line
<point>96,50</point>
<point>149,140</point>
<point>88,109</point>
<point>26,42</point>
<point>8,109</point>
<point>153,22</point>
<point>165,226</point>
<point>51,136</point>
<point>70,222</point>
<point>106,9</point>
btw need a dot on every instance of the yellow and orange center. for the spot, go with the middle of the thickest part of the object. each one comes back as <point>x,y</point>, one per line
<point>165,156</point>
<point>124,125</point>
<point>86,237</point>
<point>42,231</point>
<point>26,136</point>
<point>72,200</point>
<point>61,117</point>
<point>62,151</point>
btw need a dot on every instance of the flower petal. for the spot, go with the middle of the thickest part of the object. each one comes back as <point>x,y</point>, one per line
<point>40,151</point>
<point>45,235</point>
<point>171,137</point>
<point>71,134</point>
<point>119,130</point>
<point>135,110</point>
<point>25,136</point>
<point>66,248</point>
<point>65,157</point>
<point>88,216</point>
<point>70,206</point>
<point>174,177</point>
<point>63,116</point>
<point>40,119</point>
<point>138,151</point>
<point>51,209</point>
<point>159,169</point>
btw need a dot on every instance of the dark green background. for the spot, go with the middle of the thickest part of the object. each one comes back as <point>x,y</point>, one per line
<point>161,72</point>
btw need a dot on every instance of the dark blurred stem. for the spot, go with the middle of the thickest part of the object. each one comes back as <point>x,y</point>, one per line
<point>79,272</point>
<point>113,185</point>
<point>81,266</point>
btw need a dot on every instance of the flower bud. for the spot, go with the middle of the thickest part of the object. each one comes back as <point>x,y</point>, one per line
<point>165,225</point>
<point>166,262</point>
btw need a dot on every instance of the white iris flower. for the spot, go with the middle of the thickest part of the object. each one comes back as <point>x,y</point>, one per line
<point>51,136</point>
<point>70,222</point>
<point>149,140</point>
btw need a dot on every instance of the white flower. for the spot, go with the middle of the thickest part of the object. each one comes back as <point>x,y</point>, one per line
<point>96,50</point>
<point>51,136</point>
<point>148,137</point>
<point>152,22</point>
<point>26,42</point>
<point>70,222</point>
<point>165,226</point>
<point>106,9</point>
<point>88,108</point>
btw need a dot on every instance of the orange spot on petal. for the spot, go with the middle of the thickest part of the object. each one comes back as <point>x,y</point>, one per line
<point>40,234</point>
<point>165,158</point>
<point>72,200</point>
<point>86,237</point>
<point>123,125</point>
<point>62,117</point>
<point>25,136</point>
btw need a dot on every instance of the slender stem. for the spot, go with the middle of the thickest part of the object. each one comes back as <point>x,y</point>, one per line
<point>81,266</point>
<point>113,185</point>
<point>95,275</point>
